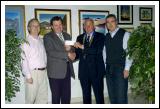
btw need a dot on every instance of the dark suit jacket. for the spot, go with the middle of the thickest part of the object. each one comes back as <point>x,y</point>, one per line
<point>57,56</point>
<point>93,66</point>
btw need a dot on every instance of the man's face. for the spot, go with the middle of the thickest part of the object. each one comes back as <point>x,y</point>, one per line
<point>34,28</point>
<point>111,23</point>
<point>89,26</point>
<point>57,26</point>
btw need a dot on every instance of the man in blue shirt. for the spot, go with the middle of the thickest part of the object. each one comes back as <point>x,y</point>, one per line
<point>117,62</point>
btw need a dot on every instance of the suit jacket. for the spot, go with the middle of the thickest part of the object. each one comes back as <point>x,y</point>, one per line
<point>91,62</point>
<point>57,56</point>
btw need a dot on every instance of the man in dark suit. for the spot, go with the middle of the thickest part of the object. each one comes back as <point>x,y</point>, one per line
<point>59,62</point>
<point>91,65</point>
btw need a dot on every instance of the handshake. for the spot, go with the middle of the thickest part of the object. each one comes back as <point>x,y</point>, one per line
<point>70,48</point>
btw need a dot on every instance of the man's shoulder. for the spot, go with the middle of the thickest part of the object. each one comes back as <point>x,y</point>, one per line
<point>99,35</point>
<point>67,35</point>
<point>48,35</point>
<point>81,35</point>
<point>25,44</point>
<point>126,33</point>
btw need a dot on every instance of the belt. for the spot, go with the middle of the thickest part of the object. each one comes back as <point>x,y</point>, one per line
<point>40,68</point>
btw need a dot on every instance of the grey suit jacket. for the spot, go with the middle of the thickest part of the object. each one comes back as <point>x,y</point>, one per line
<point>57,56</point>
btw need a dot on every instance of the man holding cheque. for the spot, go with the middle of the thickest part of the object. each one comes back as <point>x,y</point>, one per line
<point>59,62</point>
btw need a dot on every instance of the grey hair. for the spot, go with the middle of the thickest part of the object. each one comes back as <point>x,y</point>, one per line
<point>86,20</point>
<point>30,21</point>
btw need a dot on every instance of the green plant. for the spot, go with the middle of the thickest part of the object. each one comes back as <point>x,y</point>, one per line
<point>141,48</point>
<point>12,64</point>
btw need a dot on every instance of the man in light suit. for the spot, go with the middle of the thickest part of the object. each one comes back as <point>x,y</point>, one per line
<point>59,62</point>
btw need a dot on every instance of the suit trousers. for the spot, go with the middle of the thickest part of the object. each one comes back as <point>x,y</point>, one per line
<point>61,88</point>
<point>97,85</point>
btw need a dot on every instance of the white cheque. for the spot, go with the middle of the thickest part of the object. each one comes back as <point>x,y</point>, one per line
<point>69,42</point>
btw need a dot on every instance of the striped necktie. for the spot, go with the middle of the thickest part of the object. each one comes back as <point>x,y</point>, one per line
<point>88,38</point>
<point>61,37</point>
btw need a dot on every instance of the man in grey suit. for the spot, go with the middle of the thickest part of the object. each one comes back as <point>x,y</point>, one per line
<point>59,62</point>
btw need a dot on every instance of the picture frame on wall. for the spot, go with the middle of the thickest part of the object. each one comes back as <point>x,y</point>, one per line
<point>143,24</point>
<point>98,17</point>
<point>15,19</point>
<point>125,14</point>
<point>129,29</point>
<point>145,14</point>
<point>45,15</point>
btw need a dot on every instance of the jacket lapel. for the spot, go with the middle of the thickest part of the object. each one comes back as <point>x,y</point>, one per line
<point>57,39</point>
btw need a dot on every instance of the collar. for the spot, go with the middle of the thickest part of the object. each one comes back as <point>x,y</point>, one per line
<point>32,38</point>
<point>90,34</point>
<point>114,30</point>
<point>59,34</point>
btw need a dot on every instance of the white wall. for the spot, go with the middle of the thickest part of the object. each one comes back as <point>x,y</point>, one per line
<point>75,84</point>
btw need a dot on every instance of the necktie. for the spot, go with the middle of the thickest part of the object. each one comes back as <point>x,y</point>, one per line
<point>88,37</point>
<point>61,37</point>
<point>86,43</point>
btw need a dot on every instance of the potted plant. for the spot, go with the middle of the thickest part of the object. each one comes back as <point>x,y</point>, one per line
<point>141,48</point>
<point>12,64</point>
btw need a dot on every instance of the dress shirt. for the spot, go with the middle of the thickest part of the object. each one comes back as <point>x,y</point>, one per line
<point>60,36</point>
<point>86,35</point>
<point>33,55</point>
<point>90,34</point>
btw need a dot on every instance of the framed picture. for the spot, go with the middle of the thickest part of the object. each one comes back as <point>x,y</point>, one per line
<point>125,14</point>
<point>15,19</point>
<point>129,29</point>
<point>45,15</point>
<point>145,14</point>
<point>143,24</point>
<point>97,15</point>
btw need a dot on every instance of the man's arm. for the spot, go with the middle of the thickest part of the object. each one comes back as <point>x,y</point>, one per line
<point>93,51</point>
<point>24,63</point>
<point>128,61</point>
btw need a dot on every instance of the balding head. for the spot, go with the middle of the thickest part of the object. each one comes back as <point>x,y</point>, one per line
<point>89,25</point>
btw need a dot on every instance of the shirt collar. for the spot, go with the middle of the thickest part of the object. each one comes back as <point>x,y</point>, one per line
<point>59,34</point>
<point>114,32</point>
<point>32,38</point>
<point>90,34</point>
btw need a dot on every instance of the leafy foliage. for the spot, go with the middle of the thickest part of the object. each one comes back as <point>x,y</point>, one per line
<point>141,48</point>
<point>12,64</point>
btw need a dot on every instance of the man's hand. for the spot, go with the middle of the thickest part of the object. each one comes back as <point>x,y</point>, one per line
<point>126,73</point>
<point>72,55</point>
<point>67,47</point>
<point>29,80</point>
<point>78,45</point>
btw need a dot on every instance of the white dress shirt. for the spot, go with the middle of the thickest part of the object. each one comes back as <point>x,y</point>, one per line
<point>33,55</point>
<point>60,36</point>
<point>128,62</point>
